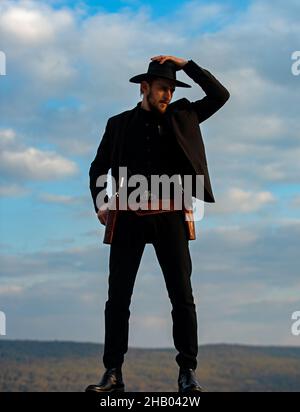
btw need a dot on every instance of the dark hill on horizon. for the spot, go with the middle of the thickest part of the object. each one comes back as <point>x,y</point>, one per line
<point>70,366</point>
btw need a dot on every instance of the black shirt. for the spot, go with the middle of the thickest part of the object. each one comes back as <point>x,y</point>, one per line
<point>152,149</point>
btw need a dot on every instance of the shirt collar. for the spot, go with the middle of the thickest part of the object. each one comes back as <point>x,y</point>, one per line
<point>149,114</point>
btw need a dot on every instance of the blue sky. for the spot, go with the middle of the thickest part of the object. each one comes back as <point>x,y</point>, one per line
<point>157,8</point>
<point>68,65</point>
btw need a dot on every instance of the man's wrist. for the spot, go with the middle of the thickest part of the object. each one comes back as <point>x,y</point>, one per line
<point>184,63</point>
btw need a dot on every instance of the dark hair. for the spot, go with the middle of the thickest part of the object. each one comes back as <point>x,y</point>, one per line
<point>149,80</point>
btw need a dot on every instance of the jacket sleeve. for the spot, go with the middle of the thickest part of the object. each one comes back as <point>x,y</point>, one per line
<point>216,93</point>
<point>100,166</point>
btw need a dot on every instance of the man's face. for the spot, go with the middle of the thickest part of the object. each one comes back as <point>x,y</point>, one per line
<point>159,94</point>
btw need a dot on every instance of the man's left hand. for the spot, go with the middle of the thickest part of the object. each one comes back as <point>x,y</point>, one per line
<point>177,60</point>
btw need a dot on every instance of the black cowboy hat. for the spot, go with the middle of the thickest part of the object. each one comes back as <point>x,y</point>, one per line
<point>166,70</point>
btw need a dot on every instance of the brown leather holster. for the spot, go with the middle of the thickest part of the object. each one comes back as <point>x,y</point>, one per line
<point>112,218</point>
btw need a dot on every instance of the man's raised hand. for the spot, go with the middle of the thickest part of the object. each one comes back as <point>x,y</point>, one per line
<point>177,60</point>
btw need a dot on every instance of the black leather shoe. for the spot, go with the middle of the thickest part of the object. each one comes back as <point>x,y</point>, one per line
<point>187,381</point>
<point>111,381</point>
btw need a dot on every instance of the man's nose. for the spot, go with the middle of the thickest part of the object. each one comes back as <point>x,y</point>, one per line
<point>168,95</point>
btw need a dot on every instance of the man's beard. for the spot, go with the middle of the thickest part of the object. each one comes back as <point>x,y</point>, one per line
<point>152,107</point>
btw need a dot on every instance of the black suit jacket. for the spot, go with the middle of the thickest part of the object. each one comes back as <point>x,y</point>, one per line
<point>184,117</point>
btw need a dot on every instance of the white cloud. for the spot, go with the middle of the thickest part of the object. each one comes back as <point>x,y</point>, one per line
<point>198,14</point>
<point>26,25</point>
<point>13,190</point>
<point>267,126</point>
<point>29,163</point>
<point>32,163</point>
<point>32,24</point>
<point>237,200</point>
<point>233,235</point>
<point>61,199</point>
<point>11,290</point>
<point>7,136</point>
<point>52,67</point>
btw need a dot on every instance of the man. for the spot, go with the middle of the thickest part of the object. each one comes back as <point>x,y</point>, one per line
<point>155,138</point>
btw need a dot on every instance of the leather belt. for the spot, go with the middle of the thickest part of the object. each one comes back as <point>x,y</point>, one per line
<point>151,207</point>
<point>189,218</point>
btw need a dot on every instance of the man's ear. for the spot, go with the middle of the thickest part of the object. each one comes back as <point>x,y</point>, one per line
<point>144,86</point>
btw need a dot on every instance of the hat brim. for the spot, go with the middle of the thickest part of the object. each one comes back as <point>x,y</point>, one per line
<point>145,76</point>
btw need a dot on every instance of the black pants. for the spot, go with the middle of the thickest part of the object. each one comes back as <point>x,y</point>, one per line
<point>167,233</point>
